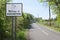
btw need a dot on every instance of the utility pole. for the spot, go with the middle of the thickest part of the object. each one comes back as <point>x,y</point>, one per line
<point>38,18</point>
<point>49,13</point>
<point>49,16</point>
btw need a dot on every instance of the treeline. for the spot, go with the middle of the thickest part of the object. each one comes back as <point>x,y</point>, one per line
<point>22,23</point>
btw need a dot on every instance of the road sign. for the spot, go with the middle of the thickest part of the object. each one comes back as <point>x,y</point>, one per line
<point>13,9</point>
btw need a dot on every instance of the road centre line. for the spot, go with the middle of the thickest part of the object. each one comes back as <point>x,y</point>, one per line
<point>43,31</point>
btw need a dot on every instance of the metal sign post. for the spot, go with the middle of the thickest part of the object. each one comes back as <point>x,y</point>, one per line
<point>13,28</point>
<point>14,9</point>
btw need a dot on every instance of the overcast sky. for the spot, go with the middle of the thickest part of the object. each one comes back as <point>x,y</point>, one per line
<point>35,8</point>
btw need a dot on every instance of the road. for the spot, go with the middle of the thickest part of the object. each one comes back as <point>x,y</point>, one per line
<point>39,32</point>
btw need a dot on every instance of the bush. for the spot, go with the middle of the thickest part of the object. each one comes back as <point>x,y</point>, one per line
<point>21,35</point>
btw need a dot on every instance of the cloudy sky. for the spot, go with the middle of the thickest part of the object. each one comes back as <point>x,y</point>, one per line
<point>35,8</point>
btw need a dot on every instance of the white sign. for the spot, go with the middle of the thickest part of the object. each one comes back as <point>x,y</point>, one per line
<point>14,9</point>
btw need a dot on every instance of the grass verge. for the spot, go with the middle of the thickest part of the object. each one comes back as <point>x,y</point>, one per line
<point>21,35</point>
<point>51,27</point>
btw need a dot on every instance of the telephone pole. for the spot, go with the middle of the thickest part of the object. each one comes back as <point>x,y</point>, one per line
<point>49,16</point>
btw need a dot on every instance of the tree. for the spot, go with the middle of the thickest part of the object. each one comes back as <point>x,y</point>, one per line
<point>27,19</point>
<point>55,6</point>
<point>2,19</point>
<point>24,21</point>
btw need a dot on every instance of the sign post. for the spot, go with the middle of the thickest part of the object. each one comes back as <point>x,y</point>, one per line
<point>14,28</point>
<point>14,9</point>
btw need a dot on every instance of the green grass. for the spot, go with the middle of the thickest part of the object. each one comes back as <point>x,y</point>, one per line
<point>55,28</point>
<point>51,27</point>
<point>21,35</point>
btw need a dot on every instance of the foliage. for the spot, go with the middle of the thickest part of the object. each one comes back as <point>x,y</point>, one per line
<point>24,21</point>
<point>55,6</point>
<point>6,23</point>
<point>2,19</point>
<point>21,35</point>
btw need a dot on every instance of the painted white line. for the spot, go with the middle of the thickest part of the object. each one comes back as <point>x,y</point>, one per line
<point>43,31</point>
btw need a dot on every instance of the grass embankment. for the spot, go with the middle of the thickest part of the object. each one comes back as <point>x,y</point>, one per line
<point>21,35</point>
<point>54,28</point>
<point>51,27</point>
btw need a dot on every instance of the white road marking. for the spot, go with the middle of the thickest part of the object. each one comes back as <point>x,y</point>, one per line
<point>43,31</point>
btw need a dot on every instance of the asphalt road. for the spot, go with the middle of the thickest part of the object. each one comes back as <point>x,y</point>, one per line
<point>38,32</point>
